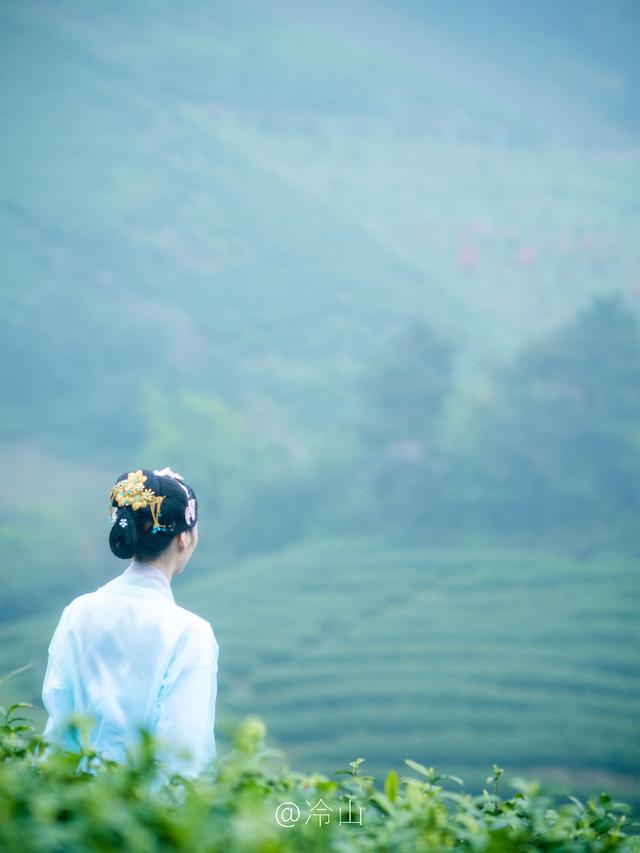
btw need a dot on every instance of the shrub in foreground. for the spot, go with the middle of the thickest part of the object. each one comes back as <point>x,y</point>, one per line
<point>52,800</point>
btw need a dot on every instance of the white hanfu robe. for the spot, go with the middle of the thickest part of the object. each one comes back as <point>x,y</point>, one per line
<point>127,655</point>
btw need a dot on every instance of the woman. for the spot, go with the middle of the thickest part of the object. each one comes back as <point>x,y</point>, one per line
<point>127,655</point>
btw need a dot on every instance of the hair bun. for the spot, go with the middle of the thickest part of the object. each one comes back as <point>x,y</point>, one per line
<point>144,504</point>
<point>124,535</point>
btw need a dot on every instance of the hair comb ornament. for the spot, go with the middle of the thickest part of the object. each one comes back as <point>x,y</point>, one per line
<point>167,472</point>
<point>190,509</point>
<point>132,492</point>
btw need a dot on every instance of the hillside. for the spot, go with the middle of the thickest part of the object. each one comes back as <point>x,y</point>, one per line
<point>260,197</point>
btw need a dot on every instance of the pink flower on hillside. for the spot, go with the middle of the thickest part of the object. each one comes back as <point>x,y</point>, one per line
<point>467,257</point>
<point>527,255</point>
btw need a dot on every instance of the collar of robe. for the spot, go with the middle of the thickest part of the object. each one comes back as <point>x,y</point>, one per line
<point>147,576</point>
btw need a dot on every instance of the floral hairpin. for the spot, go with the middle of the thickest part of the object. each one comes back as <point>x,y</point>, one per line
<point>190,512</point>
<point>132,492</point>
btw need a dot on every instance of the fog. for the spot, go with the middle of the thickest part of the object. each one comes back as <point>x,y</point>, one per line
<point>368,276</point>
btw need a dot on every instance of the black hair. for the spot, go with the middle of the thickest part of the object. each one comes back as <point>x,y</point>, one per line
<point>133,532</point>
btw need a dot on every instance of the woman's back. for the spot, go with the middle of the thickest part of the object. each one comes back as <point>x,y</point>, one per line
<point>128,656</point>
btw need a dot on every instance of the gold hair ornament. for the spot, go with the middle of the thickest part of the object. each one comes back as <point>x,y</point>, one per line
<point>131,492</point>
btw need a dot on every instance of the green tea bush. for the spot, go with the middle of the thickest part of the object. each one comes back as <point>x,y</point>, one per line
<point>56,801</point>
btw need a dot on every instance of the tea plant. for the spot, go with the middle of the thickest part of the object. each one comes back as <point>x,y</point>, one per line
<point>54,800</point>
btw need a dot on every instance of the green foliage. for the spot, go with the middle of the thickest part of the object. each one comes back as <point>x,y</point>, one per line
<point>404,392</point>
<point>552,447</point>
<point>557,444</point>
<point>249,800</point>
<point>406,387</point>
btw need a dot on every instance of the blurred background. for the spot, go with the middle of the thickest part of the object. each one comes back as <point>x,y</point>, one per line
<point>368,275</point>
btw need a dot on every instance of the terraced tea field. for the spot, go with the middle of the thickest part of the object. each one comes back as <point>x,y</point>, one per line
<point>456,658</point>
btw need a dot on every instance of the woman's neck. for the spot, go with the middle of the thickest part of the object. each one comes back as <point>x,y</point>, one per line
<point>164,566</point>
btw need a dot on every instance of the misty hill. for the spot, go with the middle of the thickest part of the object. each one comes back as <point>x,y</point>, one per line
<point>248,200</point>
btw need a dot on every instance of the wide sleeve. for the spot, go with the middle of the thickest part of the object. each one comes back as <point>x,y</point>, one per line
<point>56,687</point>
<point>187,703</point>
